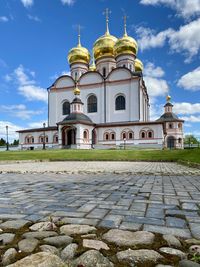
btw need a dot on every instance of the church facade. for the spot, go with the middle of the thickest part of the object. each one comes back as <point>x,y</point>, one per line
<point>104,104</point>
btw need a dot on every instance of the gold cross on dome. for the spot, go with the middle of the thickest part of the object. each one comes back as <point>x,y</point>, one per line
<point>107,12</point>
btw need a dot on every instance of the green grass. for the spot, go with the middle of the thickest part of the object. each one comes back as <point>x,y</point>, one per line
<point>187,156</point>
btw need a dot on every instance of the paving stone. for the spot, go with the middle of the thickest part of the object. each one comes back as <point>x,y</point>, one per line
<point>95,244</point>
<point>185,233</point>
<point>93,258</point>
<point>58,241</point>
<point>145,220</point>
<point>50,249</point>
<point>72,229</point>
<point>39,259</point>
<point>175,222</point>
<point>14,224</point>
<point>97,213</point>
<point>172,241</point>
<point>189,206</point>
<point>93,222</point>
<point>127,238</point>
<point>28,245</point>
<point>87,207</point>
<point>195,229</point>
<point>141,256</point>
<point>39,235</point>
<point>9,256</point>
<point>69,252</point>
<point>130,226</point>
<point>173,252</point>
<point>43,226</point>
<point>7,238</point>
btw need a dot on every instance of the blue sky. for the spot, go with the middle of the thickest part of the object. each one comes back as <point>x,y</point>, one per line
<point>37,35</point>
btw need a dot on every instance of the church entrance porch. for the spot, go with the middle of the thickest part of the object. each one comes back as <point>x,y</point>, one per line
<point>171,142</point>
<point>68,137</point>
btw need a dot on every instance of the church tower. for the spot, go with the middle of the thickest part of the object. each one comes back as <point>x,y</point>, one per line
<point>79,59</point>
<point>104,51</point>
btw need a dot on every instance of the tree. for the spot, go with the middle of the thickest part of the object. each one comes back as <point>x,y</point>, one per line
<point>15,143</point>
<point>190,139</point>
<point>2,142</point>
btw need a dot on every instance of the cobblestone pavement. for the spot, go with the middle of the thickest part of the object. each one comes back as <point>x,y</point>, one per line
<point>161,203</point>
<point>97,167</point>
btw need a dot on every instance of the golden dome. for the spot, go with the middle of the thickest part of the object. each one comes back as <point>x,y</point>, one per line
<point>168,98</point>
<point>126,44</point>
<point>138,65</point>
<point>104,45</point>
<point>79,54</point>
<point>76,91</point>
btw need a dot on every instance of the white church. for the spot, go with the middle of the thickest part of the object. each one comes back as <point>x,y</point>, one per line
<point>104,104</point>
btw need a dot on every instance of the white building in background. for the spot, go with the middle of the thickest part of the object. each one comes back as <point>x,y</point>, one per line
<point>105,104</point>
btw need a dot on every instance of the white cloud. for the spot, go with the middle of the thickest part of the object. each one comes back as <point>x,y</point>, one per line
<point>8,78</point>
<point>12,128</point>
<point>191,80</point>
<point>153,71</point>
<point>28,87</point>
<point>68,2</point>
<point>19,111</point>
<point>184,8</point>
<point>149,39</point>
<point>186,108</point>
<point>4,19</point>
<point>155,85</point>
<point>27,3</point>
<point>191,118</point>
<point>185,40</point>
<point>34,18</point>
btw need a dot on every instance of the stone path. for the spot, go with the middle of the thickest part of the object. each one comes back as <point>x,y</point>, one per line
<point>97,167</point>
<point>164,199</point>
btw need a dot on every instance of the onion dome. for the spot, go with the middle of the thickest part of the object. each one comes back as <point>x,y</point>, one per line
<point>104,45</point>
<point>138,65</point>
<point>168,98</point>
<point>79,54</point>
<point>126,44</point>
<point>77,91</point>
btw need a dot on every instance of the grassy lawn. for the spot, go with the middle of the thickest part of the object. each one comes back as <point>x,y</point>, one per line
<point>188,155</point>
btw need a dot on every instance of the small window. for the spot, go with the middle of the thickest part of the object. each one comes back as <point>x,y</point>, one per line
<point>123,135</point>
<point>104,72</point>
<point>150,134</point>
<point>92,104</point>
<point>112,136</point>
<point>179,125</point>
<point>179,140</point>
<point>130,135</point>
<point>66,108</point>
<point>171,126</point>
<point>42,139</point>
<point>85,135</point>
<point>106,136</point>
<point>120,103</point>
<point>143,135</point>
<point>124,66</point>
<point>47,139</point>
<point>76,76</point>
<point>32,139</point>
<point>55,139</point>
<point>130,66</point>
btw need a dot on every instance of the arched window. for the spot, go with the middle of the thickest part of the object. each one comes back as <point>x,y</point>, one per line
<point>106,136</point>
<point>46,139</point>
<point>150,134</point>
<point>123,135</point>
<point>66,108</point>
<point>179,140</point>
<point>120,103</point>
<point>130,66</point>
<point>124,66</point>
<point>170,125</point>
<point>143,134</point>
<point>55,138</point>
<point>92,104</point>
<point>130,135</point>
<point>104,72</point>
<point>180,126</point>
<point>29,139</point>
<point>76,76</point>
<point>85,135</point>
<point>112,136</point>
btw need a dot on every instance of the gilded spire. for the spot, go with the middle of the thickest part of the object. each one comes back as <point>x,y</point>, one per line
<point>107,12</point>
<point>76,89</point>
<point>125,32</point>
<point>79,35</point>
<point>168,98</point>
